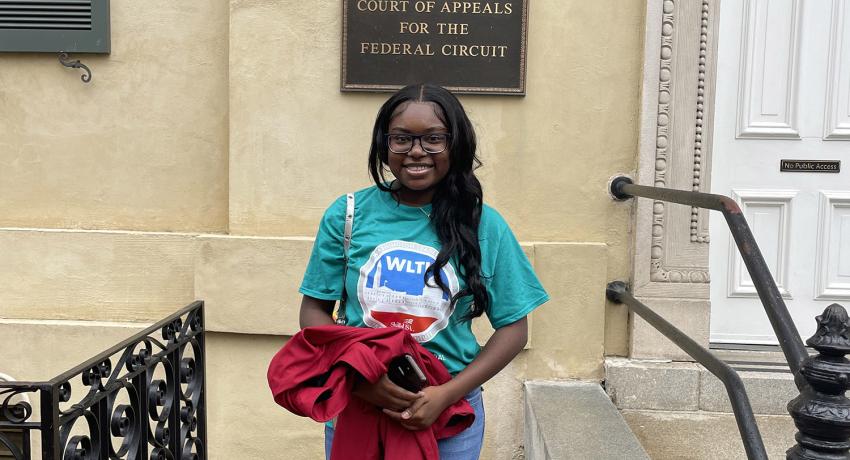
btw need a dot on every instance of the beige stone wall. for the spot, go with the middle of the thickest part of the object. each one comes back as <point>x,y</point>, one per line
<point>94,275</point>
<point>197,165</point>
<point>142,147</point>
<point>547,155</point>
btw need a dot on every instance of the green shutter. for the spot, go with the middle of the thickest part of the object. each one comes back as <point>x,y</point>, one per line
<point>73,26</point>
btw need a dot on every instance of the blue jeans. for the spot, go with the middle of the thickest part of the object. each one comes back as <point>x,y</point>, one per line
<point>465,445</point>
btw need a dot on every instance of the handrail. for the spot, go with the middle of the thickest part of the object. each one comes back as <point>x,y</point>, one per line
<point>141,398</point>
<point>783,326</point>
<point>618,292</point>
<point>821,411</point>
<point>120,346</point>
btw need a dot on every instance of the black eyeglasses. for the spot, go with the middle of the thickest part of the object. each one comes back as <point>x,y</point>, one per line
<point>431,143</point>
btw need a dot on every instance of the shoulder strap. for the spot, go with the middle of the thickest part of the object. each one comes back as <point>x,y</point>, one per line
<point>346,243</point>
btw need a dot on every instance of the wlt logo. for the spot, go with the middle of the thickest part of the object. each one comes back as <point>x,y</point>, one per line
<point>393,291</point>
<point>407,266</point>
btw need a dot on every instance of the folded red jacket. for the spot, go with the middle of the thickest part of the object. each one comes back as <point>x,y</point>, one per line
<point>312,376</point>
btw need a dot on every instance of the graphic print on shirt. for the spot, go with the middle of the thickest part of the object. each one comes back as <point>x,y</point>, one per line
<point>393,293</point>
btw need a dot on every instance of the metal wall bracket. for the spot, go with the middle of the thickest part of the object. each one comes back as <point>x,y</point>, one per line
<point>63,59</point>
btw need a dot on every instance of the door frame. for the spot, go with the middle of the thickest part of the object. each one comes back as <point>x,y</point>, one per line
<point>670,264</point>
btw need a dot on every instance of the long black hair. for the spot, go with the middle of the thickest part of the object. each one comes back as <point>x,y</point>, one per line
<point>458,198</point>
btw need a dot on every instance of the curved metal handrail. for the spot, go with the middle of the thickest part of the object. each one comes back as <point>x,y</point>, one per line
<point>618,292</point>
<point>783,326</point>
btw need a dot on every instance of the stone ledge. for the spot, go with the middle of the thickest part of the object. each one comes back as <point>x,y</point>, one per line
<point>705,435</point>
<point>575,420</point>
<point>95,275</point>
<point>681,386</point>
<point>768,392</point>
<point>652,385</point>
<point>250,286</point>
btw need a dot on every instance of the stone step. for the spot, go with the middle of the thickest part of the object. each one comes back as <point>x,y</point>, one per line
<point>575,420</point>
<point>683,386</point>
<point>700,435</point>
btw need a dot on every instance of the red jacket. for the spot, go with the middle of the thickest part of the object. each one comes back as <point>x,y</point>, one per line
<point>310,376</point>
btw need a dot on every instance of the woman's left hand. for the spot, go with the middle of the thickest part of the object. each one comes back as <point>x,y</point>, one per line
<point>425,410</point>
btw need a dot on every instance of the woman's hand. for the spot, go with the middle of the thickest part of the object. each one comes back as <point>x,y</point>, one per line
<point>502,347</point>
<point>425,410</point>
<point>385,394</point>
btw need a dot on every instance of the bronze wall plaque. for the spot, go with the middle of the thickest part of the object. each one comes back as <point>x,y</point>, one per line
<point>821,166</point>
<point>466,46</point>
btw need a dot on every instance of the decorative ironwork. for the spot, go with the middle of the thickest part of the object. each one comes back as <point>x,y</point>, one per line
<point>15,408</point>
<point>63,59</point>
<point>822,412</point>
<point>142,398</point>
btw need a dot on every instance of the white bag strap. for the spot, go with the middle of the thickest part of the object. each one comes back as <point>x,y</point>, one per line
<point>349,223</point>
<point>346,243</point>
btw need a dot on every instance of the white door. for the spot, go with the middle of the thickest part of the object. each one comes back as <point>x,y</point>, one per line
<point>783,93</point>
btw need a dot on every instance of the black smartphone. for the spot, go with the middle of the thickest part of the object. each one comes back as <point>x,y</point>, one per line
<point>404,372</point>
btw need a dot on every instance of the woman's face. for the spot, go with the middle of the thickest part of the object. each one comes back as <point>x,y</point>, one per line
<point>417,171</point>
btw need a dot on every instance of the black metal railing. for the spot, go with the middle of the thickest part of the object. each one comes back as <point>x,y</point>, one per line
<point>144,398</point>
<point>754,446</point>
<point>821,412</point>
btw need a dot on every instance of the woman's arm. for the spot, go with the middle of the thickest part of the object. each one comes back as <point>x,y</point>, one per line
<point>502,347</point>
<point>315,312</point>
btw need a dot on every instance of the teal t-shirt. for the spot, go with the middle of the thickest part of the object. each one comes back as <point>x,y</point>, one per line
<point>391,247</point>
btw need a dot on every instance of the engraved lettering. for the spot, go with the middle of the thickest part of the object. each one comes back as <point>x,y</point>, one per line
<point>497,51</point>
<point>460,36</point>
<point>810,165</point>
<point>424,7</point>
<point>383,6</point>
<point>396,49</point>
<point>477,8</point>
<point>413,27</point>
<point>451,28</point>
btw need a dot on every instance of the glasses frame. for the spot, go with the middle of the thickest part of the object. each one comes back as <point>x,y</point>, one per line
<point>413,142</point>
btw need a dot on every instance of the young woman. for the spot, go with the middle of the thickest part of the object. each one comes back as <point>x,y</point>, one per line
<point>428,256</point>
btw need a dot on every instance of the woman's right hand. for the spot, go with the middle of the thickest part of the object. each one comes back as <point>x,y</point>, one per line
<point>384,394</point>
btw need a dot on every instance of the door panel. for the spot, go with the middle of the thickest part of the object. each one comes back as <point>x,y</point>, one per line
<point>767,212</point>
<point>833,263</point>
<point>838,92</point>
<point>783,92</point>
<point>768,91</point>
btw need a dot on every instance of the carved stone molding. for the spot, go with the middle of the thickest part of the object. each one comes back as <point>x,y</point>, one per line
<point>671,240</point>
<point>699,234</point>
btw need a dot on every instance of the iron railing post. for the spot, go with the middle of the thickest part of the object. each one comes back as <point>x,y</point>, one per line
<point>50,446</point>
<point>201,372</point>
<point>822,412</point>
